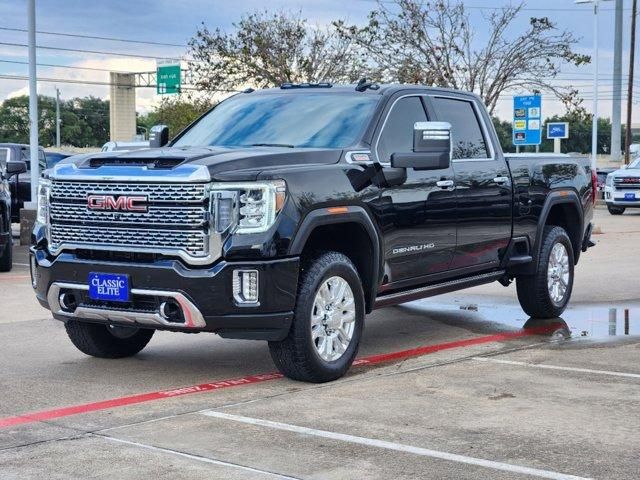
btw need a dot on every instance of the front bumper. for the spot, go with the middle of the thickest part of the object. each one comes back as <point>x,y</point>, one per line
<point>204,295</point>
<point>616,198</point>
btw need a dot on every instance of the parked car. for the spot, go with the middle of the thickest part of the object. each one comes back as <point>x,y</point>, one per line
<point>622,188</point>
<point>602,178</point>
<point>20,185</point>
<point>287,214</point>
<point>8,168</point>
<point>124,146</point>
<point>52,158</point>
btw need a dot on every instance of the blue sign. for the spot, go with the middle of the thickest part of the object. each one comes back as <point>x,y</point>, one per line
<point>527,120</point>
<point>558,130</point>
<point>109,286</point>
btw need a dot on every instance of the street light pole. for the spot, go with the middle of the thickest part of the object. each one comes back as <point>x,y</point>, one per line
<point>594,126</point>
<point>33,102</point>
<point>57,117</point>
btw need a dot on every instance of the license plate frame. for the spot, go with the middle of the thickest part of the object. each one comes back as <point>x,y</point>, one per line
<point>111,287</point>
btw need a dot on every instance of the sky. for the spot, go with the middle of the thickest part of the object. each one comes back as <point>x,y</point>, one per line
<point>176,21</point>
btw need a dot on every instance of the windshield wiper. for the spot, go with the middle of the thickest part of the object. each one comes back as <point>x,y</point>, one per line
<point>286,145</point>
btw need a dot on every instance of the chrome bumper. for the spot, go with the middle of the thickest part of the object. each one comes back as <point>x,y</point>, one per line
<point>193,319</point>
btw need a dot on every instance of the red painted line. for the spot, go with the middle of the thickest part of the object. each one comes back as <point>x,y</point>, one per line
<point>252,379</point>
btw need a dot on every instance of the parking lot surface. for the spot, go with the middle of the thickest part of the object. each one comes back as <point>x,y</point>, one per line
<point>451,387</point>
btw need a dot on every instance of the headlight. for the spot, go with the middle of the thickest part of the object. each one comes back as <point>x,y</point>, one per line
<point>609,181</point>
<point>249,207</point>
<point>44,187</point>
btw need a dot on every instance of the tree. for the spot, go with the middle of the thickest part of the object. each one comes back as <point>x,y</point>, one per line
<point>176,113</point>
<point>434,43</point>
<point>504,130</point>
<point>84,121</point>
<point>266,50</point>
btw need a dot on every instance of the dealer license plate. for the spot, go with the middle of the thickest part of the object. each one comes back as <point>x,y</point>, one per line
<point>113,287</point>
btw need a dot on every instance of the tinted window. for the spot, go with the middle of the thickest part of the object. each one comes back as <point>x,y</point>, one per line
<point>466,135</point>
<point>324,120</point>
<point>397,136</point>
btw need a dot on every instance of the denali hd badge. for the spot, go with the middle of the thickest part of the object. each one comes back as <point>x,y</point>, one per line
<point>122,203</point>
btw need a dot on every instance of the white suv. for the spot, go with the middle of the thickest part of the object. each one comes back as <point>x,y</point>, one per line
<point>622,188</point>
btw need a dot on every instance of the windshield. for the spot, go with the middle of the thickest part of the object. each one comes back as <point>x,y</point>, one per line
<point>634,164</point>
<point>320,120</point>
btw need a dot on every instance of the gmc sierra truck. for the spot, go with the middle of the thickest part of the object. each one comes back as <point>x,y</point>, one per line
<point>288,214</point>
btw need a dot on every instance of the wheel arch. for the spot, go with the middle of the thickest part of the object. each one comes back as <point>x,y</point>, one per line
<point>348,230</point>
<point>562,209</point>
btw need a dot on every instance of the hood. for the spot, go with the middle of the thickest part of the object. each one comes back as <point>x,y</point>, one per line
<point>223,163</point>
<point>626,173</point>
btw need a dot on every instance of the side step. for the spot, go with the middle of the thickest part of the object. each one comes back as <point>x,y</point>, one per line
<point>519,260</point>
<point>436,289</point>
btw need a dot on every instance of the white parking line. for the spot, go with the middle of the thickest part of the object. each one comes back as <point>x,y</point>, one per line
<point>196,457</point>
<point>557,367</point>
<point>399,447</point>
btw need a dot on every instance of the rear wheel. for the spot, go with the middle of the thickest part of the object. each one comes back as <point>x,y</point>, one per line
<point>546,294</point>
<point>328,321</point>
<point>107,341</point>
<point>615,210</point>
<point>6,259</point>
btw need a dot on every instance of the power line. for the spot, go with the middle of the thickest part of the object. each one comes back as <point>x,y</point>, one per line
<point>73,67</point>
<point>94,37</point>
<point>96,52</point>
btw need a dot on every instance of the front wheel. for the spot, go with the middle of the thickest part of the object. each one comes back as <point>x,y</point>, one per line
<point>546,294</point>
<point>107,341</point>
<point>328,322</point>
<point>615,210</point>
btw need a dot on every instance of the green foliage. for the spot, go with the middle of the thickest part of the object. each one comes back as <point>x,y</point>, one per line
<point>84,121</point>
<point>176,113</point>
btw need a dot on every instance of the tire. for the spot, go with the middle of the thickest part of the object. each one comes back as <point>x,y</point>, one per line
<point>615,210</point>
<point>103,341</point>
<point>536,293</point>
<point>306,353</point>
<point>6,259</point>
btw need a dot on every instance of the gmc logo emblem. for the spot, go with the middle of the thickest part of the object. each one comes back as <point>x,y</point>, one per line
<point>121,203</point>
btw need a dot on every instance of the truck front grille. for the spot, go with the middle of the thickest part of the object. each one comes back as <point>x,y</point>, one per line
<point>626,183</point>
<point>176,221</point>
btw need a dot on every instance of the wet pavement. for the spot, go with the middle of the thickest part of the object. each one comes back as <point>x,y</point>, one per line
<point>449,387</point>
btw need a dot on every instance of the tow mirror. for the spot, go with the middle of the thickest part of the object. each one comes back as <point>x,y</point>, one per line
<point>158,136</point>
<point>15,167</point>
<point>431,148</point>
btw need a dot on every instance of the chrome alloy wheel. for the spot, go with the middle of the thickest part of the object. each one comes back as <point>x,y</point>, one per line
<point>558,273</point>
<point>333,318</point>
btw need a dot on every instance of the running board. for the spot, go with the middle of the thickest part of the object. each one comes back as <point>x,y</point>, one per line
<point>436,289</point>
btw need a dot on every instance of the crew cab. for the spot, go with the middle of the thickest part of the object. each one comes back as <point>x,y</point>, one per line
<point>622,188</point>
<point>288,214</point>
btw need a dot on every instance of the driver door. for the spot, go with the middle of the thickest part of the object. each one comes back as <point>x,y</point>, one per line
<point>417,218</point>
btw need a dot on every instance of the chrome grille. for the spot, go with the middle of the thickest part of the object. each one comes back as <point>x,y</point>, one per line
<point>156,192</point>
<point>176,223</point>
<point>192,242</point>
<point>626,183</point>
<point>189,216</point>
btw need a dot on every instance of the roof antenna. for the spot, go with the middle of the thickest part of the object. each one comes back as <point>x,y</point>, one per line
<point>365,84</point>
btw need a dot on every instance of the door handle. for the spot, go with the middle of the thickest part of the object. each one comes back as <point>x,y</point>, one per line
<point>445,184</point>
<point>501,180</point>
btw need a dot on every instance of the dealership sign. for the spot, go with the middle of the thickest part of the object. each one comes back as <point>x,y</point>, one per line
<point>527,115</point>
<point>557,130</point>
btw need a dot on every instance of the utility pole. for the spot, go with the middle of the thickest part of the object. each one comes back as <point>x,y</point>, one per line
<point>632,53</point>
<point>616,114</point>
<point>57,117</point>
<point>33,103</point>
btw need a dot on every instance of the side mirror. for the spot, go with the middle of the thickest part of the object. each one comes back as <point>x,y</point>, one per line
<point>158,136</point>
<point>15,167</point>
<point>431,148</point>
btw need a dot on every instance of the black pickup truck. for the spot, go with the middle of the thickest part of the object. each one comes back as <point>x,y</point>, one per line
<point>9,168</point>
<point>288,214</point>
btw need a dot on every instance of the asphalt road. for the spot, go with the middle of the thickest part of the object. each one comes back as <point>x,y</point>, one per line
<point>477,399</point>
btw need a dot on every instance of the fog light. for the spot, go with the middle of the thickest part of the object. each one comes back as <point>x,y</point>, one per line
<point>245,286</point>
<point>33,269</point>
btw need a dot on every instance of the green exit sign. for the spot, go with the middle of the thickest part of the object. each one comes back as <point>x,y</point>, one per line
<point>168,79</point>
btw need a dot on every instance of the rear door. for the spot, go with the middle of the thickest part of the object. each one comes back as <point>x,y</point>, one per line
<point>417,218</point>
<point>483,185</point>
